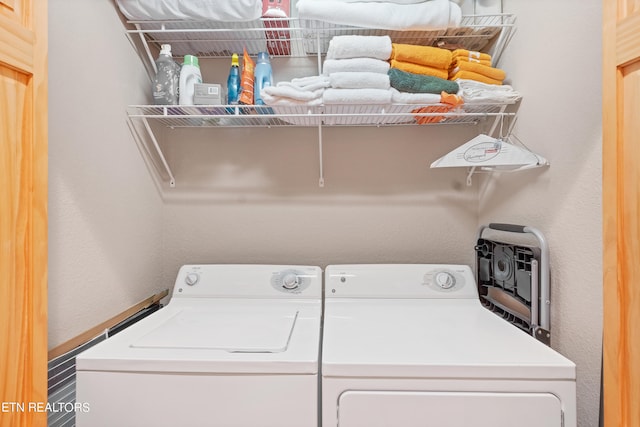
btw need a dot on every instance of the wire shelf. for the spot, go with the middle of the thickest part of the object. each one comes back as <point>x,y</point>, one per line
<point>325,115</point>
<point>294,37</point>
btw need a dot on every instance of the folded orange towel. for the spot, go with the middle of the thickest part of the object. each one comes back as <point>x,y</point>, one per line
<point>423,120</point>
<point>448,103</point>
<point>470,75</point>
<point>492,73</point>
<point>424,55</point>
<point>451,99</point>
<point>471,54</point>
<point>410,67</point>
<point>474,60</point>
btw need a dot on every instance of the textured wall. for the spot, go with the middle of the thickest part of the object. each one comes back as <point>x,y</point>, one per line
<point>104,211</point>
<point>247,195</point>
<point>554,60</point>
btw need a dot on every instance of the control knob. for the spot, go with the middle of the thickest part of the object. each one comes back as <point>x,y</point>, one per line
<point>191,279</point>
<point>290,281</point>
<point>445,280</point>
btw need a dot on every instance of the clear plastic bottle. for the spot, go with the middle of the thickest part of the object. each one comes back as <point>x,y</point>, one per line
<point>189,76</point>
<point>166,81</point>
<point>233,81</point>
<point>263,77</point>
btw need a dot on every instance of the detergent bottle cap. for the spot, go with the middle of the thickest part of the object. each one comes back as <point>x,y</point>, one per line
<point>263,57</point>
<point>191,60</point>
<point>234,60</point>
<point>165,49</point>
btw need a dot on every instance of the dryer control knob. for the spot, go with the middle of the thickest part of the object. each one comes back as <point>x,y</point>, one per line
<point>191,279</point>
<point>445,280</point>
<point>290,281</point>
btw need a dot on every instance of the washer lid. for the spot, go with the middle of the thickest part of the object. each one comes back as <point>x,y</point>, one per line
<point>216,335</point>
<point>266,331</point>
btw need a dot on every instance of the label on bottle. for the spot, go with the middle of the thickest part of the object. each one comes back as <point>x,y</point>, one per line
<point>165,83</point>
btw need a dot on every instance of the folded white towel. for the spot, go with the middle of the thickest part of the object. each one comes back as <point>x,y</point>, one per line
<point>425,16</point>
<point>476,92</point>
<point>292,92</point>
<point>344,47</point>
<point>359,80</point>
<point>414,98</point>
<point>282,101</point>
<point>303,81</point>
<point>369,65</point>
<point>307,83</point>
<point>202,10</point>
<point>356,96</point>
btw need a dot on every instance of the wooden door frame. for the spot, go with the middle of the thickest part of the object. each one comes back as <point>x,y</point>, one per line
<point>24,48</point>
<point>40,198</point>
<point>621,304</point>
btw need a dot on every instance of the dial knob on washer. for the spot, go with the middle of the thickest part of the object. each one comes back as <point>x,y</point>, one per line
<point>191,279</point>
<point>290,281</point>
<point>445,280</point>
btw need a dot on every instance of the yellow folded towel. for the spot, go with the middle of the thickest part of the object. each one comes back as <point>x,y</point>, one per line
<point>410,67</point>
<point>470,75</point>
<point>492,73</point>
<point>474,60</point>
<point>423,55</point>
<point>471,54</point>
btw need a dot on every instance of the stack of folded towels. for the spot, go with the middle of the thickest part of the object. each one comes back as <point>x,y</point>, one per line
<point>418,74</point>
<point>357,70</point>
<point>354,72</point>
<point>476,66</point>
<point>371,70</point>
<point>425,60</point>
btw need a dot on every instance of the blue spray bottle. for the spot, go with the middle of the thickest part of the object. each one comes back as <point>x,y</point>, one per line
<point>233,81</point>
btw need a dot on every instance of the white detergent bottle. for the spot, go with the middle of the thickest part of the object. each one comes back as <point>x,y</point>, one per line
<point>189,76</point>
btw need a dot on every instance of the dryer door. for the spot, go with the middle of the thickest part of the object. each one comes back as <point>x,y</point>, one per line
<point>448,409</point>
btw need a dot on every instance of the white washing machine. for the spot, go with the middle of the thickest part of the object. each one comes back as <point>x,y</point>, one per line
<point>236,346</point>
<point>411,346</point>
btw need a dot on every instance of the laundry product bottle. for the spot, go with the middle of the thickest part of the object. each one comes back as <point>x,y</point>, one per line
<point>233,81</point>
<point>263,77</point>
<point>189,76</point>
<point>166,81</point>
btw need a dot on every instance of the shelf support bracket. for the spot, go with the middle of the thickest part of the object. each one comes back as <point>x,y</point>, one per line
<point>499,119</point>
<point>172,180</point>
<point>150,62</point>
<point>321,179</point>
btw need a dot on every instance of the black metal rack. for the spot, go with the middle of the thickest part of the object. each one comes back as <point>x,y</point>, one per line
<point>513,280</point>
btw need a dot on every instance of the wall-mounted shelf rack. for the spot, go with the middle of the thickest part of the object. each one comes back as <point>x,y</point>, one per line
<point>320,116</point>
<point>291,37</point>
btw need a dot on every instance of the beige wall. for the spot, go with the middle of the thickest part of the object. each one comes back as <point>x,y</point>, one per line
<point>251,195</point>
<point>104,211</point>
<point>246,196</point>
<point>554,60</point>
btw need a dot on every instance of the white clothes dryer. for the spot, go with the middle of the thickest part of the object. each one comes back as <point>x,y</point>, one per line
<point>411,346</point>
<point>236,346</point>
